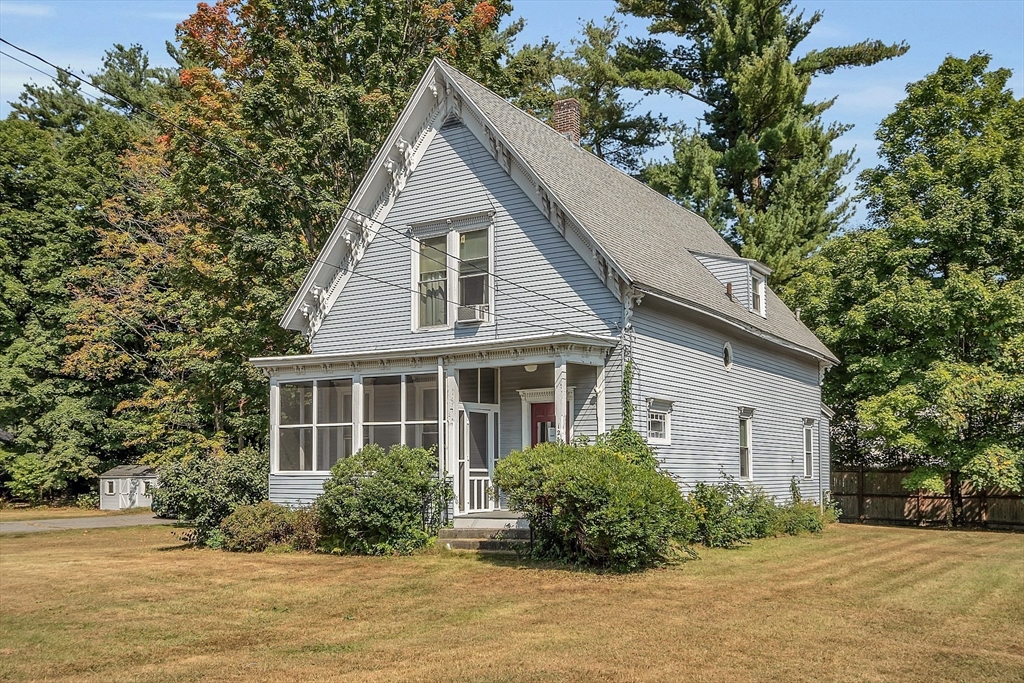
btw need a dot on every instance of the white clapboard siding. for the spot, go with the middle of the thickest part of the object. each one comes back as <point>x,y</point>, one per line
<point>458,177</point>
<point>680,360</point>
<point>295,489</point>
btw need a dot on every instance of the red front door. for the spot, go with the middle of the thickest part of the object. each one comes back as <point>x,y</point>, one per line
<point>542,423</point>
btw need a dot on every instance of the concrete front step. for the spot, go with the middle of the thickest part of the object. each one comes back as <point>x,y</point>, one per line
<point>484,534</point>
<point>483,545</point>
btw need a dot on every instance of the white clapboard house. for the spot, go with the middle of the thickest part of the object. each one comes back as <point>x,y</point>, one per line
<point>485,287</point>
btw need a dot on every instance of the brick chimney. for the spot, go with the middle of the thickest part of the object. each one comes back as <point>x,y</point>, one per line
<point>566,119</point>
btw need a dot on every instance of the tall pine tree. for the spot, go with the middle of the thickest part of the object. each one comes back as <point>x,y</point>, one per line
<point>761,168</point>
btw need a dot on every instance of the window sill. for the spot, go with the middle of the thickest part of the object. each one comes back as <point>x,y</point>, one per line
<point>433,328</point>
<point>660,442</point>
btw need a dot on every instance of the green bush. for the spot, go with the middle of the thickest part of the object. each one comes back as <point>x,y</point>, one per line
<point>592,505</point>
<point>728,514</point>
<point>202,491</point>
<point>306,533</point>
<point>383,503</point>
<point>254,528</point>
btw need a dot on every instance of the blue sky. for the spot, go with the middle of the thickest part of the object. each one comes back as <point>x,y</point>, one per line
<point>76,32</point>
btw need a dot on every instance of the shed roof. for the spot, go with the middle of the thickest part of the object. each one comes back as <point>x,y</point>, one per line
<point>129,471</point>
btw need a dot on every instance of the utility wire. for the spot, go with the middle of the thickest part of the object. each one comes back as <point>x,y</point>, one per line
<point>135,107</point>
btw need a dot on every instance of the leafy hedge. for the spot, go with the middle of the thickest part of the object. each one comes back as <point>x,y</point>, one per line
<point>204,490</point>
<point>728,514</point>
<point>592,505</point>
<point>383,503</point>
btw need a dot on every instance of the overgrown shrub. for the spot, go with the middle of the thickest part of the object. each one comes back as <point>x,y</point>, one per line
<point>306,533</point>
<point>202,491</point>
<point>728,514</point>
<point>254,528</point>
<point>592,505</point>
<point>383,503</point>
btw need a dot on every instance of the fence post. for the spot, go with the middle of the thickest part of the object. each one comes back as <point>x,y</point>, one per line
<point>984,508</point>
<point>860,494</point>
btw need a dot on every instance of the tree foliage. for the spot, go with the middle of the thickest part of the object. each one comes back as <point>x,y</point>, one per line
<point>59,154</point>
<point>926,306</point>
<point>761,169</point>
<point>606,77</point>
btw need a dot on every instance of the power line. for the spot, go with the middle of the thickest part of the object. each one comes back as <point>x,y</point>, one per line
<point>296,187</point>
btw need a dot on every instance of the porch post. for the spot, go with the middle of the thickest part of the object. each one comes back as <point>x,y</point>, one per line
<point>599,391</point>
<point>442,418</point>
<point>451,427</point>
<point>560,399</point>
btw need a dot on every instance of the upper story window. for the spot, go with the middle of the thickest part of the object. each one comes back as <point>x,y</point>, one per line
<point>452,273</point>
<point>474,275</point>
<point>757,293</point>
<point>433,285</point>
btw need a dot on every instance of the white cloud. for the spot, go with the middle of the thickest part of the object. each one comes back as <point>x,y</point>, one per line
<point>25,9</point>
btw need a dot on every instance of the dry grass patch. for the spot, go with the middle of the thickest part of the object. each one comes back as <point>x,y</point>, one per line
<point>854,604</point>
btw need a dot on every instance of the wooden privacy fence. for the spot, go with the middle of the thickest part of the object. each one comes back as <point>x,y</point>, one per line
<point>877,495</point>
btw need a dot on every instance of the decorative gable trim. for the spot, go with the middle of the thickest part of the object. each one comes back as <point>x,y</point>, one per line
<point>436,99</point>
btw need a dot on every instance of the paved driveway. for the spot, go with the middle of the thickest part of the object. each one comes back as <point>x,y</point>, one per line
<point>33,525</point>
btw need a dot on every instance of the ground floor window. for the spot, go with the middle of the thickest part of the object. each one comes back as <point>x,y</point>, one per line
<point>745,464</point>
<point>808,451</point>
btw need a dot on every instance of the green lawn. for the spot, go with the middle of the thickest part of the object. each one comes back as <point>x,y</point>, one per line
<point>854,604</point>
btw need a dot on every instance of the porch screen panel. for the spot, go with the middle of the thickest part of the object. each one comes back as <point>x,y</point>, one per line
<point>382,412</point>
<point>478,441</point>
<point>421,419</point>
<point>295,435</point>
<point>469,386</point>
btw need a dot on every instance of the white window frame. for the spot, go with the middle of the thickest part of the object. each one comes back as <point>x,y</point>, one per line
<point>664,409</point>
<point>110,488</point>
<point>404,422</point>
<point>758,291</point>
<point>314,423</point>
<point>746,429</point>
<point>453,229</point>
<point>808,449</point>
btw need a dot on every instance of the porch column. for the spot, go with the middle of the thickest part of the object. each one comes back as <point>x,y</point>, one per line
<point>442,418</point>
<point>560,398</point>
<point>600,396</point>
<point>451,421</point>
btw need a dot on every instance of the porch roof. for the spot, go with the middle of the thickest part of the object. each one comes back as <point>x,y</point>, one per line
<point>524,345</point>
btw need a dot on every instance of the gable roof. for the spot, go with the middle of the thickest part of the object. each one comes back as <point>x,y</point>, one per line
<point>130,471</point>
<point>648,235</point>
<point>647,239</point>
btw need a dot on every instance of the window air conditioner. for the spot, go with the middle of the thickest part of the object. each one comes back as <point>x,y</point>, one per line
<point>474,313</point>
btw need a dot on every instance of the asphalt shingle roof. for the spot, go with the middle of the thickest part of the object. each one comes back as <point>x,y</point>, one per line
<point>130,471</point>
<point>648,235</point>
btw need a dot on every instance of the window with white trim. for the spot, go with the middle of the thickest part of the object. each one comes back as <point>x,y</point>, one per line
<point>433,282</point>
<point>452,274</point>
<point>808,450</point>
<point>308,441</point>
<point>757,293</point>
<point>474,275</point>
<point>110,487</point>
<point>659,422</point>
<point>400,409</point>
<point>745,457</point>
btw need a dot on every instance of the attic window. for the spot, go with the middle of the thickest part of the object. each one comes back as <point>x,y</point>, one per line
<point>757,293</point>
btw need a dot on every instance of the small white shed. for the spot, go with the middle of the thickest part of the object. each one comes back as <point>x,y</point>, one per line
<point>127,486</point>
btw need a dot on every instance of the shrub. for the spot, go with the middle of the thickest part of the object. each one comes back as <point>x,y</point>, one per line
<point>591,505</point>
<point>728,514</point>
<point>383,503</point>
<point>203,490</point>
<point>254,528</point>
<point>306,532</point>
